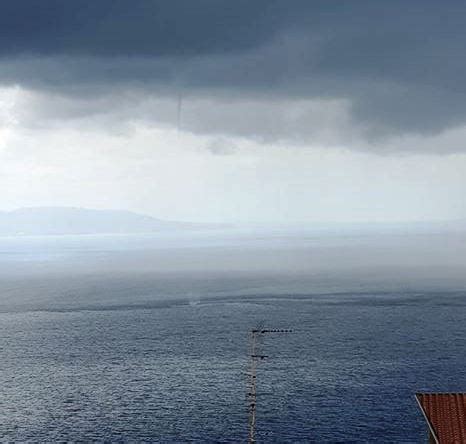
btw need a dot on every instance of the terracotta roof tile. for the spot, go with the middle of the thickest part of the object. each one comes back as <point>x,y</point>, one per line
<point>446,415</point>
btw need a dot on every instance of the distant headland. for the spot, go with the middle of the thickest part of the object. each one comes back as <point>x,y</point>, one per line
<point>39,221</point>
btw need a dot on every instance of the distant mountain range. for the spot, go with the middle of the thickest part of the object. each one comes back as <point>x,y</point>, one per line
<point>61,220</point>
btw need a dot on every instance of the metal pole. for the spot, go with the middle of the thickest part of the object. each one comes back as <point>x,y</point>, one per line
<point>252,395</point>
<point>252,390</point>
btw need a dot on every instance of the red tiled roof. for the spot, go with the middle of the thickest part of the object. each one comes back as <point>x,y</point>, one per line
<point>446,416</point>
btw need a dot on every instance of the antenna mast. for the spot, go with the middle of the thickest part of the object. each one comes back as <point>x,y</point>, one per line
<point>256,333</point>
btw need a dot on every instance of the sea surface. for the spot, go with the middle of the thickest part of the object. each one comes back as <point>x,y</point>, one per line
<point>146,338</point>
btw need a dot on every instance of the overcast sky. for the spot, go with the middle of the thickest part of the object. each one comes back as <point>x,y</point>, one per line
<point>246,110</point>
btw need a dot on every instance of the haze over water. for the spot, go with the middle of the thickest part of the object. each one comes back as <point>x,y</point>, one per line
<point>145,337</point>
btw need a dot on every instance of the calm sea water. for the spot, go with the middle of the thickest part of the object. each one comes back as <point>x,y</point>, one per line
<point>143,340</point>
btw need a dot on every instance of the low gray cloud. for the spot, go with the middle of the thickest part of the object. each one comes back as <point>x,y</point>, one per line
<point>221,146</point>
<point>320,71</point>
<point>222,116</point>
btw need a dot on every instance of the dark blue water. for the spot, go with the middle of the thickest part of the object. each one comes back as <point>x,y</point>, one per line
<point>127,357</point>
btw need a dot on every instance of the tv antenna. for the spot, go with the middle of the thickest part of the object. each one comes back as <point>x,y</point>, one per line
<point>256,334</point>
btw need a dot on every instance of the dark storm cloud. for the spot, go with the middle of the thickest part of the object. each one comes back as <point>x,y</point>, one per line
<point>141,27</point>
<point>399,64</point>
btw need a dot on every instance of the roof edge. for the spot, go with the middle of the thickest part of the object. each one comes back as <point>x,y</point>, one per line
<point>431,427</point>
